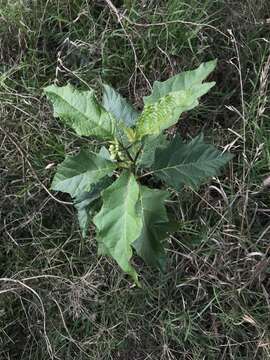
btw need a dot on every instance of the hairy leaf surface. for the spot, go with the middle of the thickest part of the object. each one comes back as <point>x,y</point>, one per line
<point>180,82</point>
<point>172,97</point>
<point>81,111</point>
<point>118,221</point>
<point>188,164</point>
<point>155,220</point>
<point>76,174</point>
<point>114,103</point>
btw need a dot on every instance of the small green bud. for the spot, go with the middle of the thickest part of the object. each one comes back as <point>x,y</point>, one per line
<point>121,155</point>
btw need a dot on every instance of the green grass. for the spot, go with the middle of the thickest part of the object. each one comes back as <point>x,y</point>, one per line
<point>57,298</point>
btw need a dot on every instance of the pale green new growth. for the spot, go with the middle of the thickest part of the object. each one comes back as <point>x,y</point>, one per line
<point>171,98</point>
<point>128,215</point>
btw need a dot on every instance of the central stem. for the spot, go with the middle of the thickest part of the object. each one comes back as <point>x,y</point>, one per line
<point>129,156</point>
<point>127,152</point>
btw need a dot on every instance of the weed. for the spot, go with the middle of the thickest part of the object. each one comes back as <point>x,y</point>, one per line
<point>212,303</point>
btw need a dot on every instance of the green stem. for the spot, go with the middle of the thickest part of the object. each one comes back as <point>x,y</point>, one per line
<point>138,153</point>
<point>127,152</point>
<point>136,158</point>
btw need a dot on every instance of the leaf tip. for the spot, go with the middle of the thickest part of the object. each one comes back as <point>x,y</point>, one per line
<point>211,64</point>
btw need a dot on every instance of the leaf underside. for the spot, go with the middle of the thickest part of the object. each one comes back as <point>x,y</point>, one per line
<point>172,97</point>
<point>118,222</point>
<point>180,82</point>
<point>188,164</point>
<point>76,174</point>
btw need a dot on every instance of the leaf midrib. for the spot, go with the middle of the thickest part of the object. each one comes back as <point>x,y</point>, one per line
<point>180,165</point>
<point>126,207</point>
<point>97,125</point>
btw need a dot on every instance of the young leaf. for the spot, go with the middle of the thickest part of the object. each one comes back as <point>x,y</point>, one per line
<point>180,82</point>
<point>118,221</point>
<point>81,111</point>
<point>104,153</point>
<point>76,174</point>
<point>154,216</point>
<point>114,103</point>
<point>86,201</point>
<point>188,164</point>
<point>171,98</point>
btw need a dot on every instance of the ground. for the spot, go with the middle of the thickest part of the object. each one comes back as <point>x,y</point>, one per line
<point>58,299</point>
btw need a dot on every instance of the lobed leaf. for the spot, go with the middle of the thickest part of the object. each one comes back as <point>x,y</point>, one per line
<point>118,222</point>
<point>76,174</point>
<point>180,82</point>
<point>81,111</point>
<point>188,164</point>
<point>171,98</point>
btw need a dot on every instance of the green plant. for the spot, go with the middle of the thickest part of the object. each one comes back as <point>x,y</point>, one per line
<point>107,186</point>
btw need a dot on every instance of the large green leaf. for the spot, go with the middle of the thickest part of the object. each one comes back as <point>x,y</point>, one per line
<point>81,111</point>
<point>155,220</point>
<point>151,143</point>
<point>87,202</point>
<point>188,164</point>
<point>118,222</point>
<point>172,97</point>
<point>76,174</point>
<point>114,103</point>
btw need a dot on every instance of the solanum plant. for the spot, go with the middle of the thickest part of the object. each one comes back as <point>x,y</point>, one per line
<point>107,186</point>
